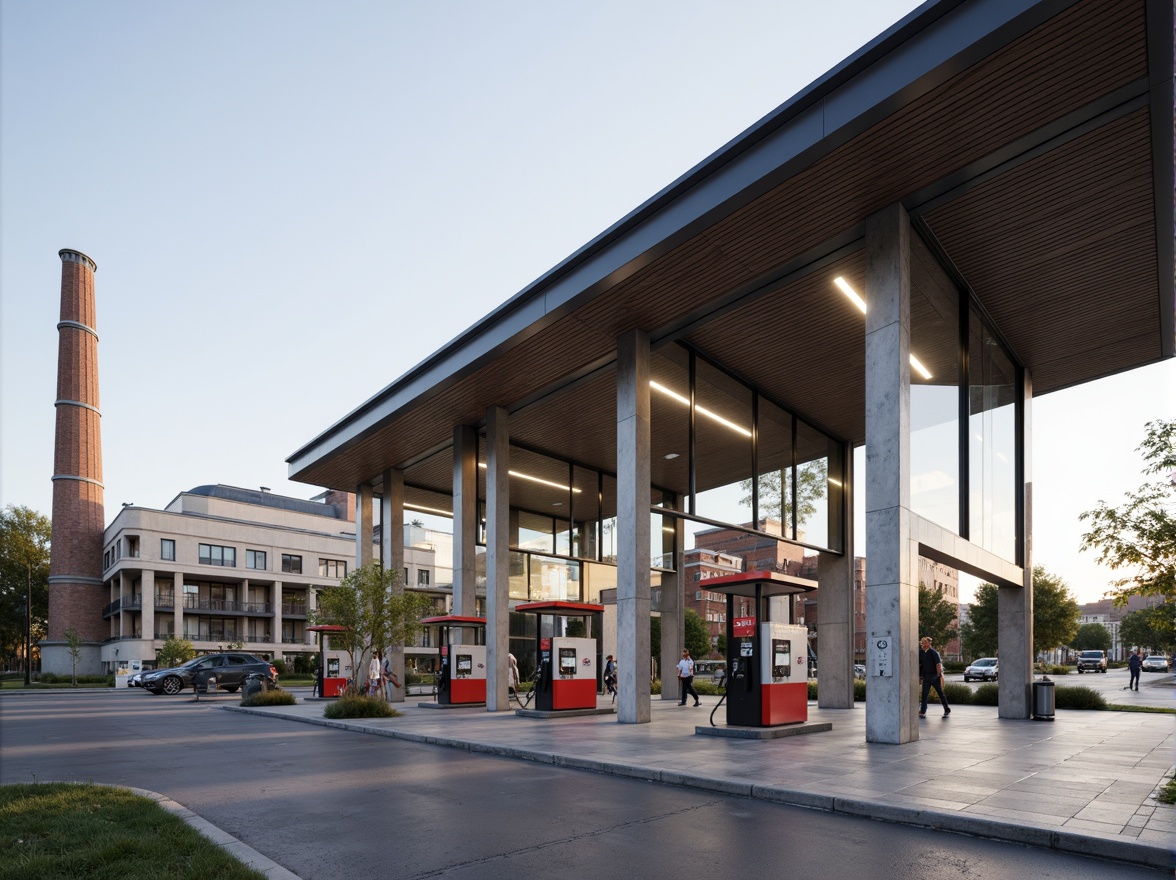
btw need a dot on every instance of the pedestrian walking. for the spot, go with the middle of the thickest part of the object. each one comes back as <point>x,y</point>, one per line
<point>610,677</point>
<point>390,680</point>
<point>375,676</point>
<point>686,679</point>
<point>1134,663</point>
<point>931,672</point>
<point>512,677</point>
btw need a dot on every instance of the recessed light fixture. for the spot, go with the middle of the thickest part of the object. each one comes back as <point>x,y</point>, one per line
<point>844,287</point>
<point>423,509</point>
<point>701,410</point>
<point>532,479</point>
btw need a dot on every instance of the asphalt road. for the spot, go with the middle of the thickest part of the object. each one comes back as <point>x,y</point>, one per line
<point>333,804</point>
<point>1155,688</point>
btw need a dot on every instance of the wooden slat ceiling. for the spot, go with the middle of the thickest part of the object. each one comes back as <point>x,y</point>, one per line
<point>1060,250</point>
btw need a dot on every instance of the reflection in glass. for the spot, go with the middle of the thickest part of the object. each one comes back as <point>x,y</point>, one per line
<point>669,419</point>
<point>775,469</point>
<point>811,490</point>
<point>722,445</point>
<point>554,580</point>
<point>935,391</point>
<point>992,476</point>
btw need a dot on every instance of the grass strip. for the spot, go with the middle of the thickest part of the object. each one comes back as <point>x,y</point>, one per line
<point>78,832</point>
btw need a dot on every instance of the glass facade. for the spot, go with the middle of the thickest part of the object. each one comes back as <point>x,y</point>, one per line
<point>935,390</point>
<point>993,398</point>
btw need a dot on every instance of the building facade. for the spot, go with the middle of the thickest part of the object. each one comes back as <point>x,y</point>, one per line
<point>222,566</point>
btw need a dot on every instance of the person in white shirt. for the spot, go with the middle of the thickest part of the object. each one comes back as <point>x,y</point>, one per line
<point>686,679</point>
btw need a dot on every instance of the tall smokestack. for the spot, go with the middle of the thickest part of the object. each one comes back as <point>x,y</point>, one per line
<point>76,595</point>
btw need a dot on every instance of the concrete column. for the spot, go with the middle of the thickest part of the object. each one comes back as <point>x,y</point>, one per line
<point>497,559</point>
<point>633,476</point>
<point>1014,627</point>
<point>892,595</point>
<point>835,610</point>
<point>673,607</point>
<point>363,526</point>
<point>465,519</point>
<point>275,592</point>
<point>147,617</point>
<point>178,598</point>
<point>392,554</point>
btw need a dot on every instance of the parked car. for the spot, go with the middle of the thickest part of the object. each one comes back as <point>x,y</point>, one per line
<point>984,669</point>
<point>136,680</point>
<point>1155,663</point>
<point>230,671</point>
<point>1092,661</point>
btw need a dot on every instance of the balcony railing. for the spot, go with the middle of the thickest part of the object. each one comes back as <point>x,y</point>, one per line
<point>194,603</point>
<point>293,640</point>
<point>294,609</point>
<point>165,600</point>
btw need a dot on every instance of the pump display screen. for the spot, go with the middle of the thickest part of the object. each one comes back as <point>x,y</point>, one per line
<point>465,664</point>
<point>567,661</point>
<point>781,658</point>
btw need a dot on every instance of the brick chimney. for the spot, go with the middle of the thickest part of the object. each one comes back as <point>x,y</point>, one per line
<point>76,593</point>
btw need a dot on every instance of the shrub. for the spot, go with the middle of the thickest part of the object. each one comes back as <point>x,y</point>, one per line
<point>957,694</point>
<point>272,697</point>
<point>655,686</point>
<point>986,694</point>
<point>1058,670</point>
<point>304,664</point>
<point>1078,697</point>
<point>99,680</point>
<point>360,706</point>
<point>707,687</point>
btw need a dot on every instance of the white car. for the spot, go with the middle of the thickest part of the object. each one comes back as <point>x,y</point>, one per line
<point>1155,663</point>
<point>984,669</point>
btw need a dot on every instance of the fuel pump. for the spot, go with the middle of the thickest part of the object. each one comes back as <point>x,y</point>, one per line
<point>568,666</point>
<point>767,683</point>
<point>461,677</point>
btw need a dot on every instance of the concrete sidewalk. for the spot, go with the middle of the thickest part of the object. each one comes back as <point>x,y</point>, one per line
<point>1083,783</point>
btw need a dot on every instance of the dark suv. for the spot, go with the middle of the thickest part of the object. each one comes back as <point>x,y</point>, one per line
<point>1092,661</point>
<point>230,671</point>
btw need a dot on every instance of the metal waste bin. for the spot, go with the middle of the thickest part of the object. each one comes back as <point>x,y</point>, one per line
<point>1043,700</point>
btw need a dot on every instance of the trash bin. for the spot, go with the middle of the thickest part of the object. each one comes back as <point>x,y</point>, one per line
<point>254,684</point>
<point>1043,700</point>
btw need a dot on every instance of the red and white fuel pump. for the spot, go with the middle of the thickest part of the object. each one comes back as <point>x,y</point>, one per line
<point>462,670</point>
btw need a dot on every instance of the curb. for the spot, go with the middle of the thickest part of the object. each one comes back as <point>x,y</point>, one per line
<point>1129,851</point>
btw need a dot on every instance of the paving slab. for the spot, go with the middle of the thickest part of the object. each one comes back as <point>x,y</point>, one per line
<point>1084,783</point>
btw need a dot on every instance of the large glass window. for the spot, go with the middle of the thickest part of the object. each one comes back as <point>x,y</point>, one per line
<point>775,469</point>
<point>992,426</point>
<point>811,488</point>
<point>935,390</point>
<point>167,549</point>
<point>213,554</point>
<point>722,446</point>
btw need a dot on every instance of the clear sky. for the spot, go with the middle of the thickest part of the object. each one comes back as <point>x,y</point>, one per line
<point>292,203</point>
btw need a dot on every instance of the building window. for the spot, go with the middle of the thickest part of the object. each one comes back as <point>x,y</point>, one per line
<point>329,568</point>
<point>167,549</point>
<point>255,559</point>
<point>214,554</point>
<point>422,578</point>
<point>291,564</point>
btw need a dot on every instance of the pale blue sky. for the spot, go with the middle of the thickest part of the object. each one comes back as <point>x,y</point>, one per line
<point>293,203</point>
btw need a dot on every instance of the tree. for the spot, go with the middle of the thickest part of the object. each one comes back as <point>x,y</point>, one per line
<point>1092,637</point>
<point>812,481</point>
<point>174,652</point>
<point>1140,535</point>
<point>697,636</point>
<point>978,634</point>
<point>24,582</point>
<point>376,614</point>
<point>74,642</point>
<point>1055,613</point>
<point>1055,616</point>
<point>1153,627</point>
<point>936,616</point>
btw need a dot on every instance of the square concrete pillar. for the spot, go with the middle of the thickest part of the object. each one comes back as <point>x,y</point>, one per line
<point>392,556</point>
<point>835,610</point>
<point>633,487</point>
<point>1014,605</point>
<point>673,605</point>
<point>892,595</point>
<point>465,520</point>
<point>147,614</point>
<point>497,559</point>
<point>363,525</point>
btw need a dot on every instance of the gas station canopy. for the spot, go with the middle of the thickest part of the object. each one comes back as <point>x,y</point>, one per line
<point>767,584</point>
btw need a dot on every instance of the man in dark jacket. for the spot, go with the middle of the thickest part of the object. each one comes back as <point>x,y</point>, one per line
<point>1134,663</point>
<point>931,672</point>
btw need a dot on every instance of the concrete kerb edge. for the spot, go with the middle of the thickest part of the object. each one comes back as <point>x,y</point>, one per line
<point>1130,851</point>
<point>239,850</point>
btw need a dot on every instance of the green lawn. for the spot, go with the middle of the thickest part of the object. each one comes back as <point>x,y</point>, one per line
<point>78,832</point>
